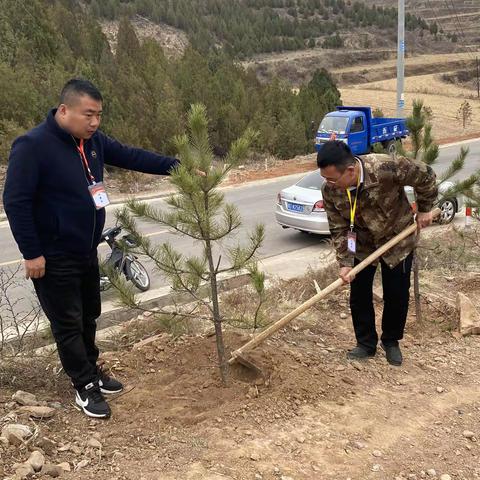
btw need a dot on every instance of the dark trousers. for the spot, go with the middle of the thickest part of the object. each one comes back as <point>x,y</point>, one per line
<point>396,295</point>
<point>69,294</point>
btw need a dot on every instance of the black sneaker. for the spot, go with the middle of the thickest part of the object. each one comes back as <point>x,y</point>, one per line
<point>360,353</point>
<point>393,354</point>
<point>91,401</point>
<point>107,384</point>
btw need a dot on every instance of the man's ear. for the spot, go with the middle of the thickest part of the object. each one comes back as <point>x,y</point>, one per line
<point>62,109</point>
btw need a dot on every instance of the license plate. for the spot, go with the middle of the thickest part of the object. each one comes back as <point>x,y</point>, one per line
<point>294,207</point>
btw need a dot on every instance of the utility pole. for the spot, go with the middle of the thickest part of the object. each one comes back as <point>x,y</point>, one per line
<point>401,59</point>
<point>478,78</point>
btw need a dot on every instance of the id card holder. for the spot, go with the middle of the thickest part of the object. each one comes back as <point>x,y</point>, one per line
<point>99,195</point>
<point>352,242</point>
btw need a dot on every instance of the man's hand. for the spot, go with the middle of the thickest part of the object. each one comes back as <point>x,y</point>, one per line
<point>424,219</point>
<point>200,173</point>
<point>344,274</point>
<point>35,268</point>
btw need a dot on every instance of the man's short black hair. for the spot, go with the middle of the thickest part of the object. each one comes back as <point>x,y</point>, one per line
<point>77,87</point>
<point>336,153</point>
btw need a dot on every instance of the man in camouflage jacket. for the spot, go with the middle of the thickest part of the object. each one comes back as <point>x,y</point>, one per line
<point>380,210</point>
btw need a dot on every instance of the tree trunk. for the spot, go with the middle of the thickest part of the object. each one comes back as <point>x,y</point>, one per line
<point>217,319</point>
<point>416,288</point>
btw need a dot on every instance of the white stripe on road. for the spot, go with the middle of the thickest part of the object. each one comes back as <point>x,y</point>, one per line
<point>16,262</point>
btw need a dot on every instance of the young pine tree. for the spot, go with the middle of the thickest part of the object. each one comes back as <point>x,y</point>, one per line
<point>426,150</point>
<point>198,210</point>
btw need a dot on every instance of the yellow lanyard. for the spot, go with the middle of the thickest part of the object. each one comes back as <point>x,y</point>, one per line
<point>353,208</point>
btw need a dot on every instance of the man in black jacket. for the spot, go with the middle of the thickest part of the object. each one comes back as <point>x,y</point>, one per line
<point>55,201</point>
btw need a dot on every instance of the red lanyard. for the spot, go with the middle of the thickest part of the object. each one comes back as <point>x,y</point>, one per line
<point>81,151</point>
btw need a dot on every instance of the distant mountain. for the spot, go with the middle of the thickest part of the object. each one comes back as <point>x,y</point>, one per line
<point>247,27</point>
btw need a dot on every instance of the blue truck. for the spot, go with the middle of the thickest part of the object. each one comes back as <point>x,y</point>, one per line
<point>360,130</point>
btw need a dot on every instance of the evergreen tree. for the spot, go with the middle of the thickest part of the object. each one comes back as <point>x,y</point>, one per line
<point>198,210</point>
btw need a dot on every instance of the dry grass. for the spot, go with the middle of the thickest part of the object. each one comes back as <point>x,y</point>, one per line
<point>444,106</point>
<point>418,60</point>
<point>430,84</point>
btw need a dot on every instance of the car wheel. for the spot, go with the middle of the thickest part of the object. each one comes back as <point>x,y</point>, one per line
<point>448,209</point>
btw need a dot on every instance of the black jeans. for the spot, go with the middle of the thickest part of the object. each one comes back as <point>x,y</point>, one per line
<point>69,294</point>
<point>396,295</point>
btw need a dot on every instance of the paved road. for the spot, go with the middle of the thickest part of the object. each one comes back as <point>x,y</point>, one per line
<point>256,202</point>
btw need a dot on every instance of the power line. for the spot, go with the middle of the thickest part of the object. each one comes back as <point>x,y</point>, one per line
<point>457,20</point>
<point>459,23</point>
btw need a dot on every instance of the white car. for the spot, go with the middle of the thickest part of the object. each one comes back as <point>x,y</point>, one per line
<point>449,206</point>
<point>301,205</point>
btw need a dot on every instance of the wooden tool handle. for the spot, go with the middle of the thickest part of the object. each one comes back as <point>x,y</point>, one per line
<point>326,291</point>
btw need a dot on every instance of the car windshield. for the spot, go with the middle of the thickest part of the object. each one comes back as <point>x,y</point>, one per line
<point>333,124</point>
<point>313,181</point>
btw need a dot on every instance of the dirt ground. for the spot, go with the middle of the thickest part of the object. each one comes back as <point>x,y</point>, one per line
<point>313,415</point>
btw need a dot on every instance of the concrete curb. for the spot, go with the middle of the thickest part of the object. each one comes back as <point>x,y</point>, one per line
<point>113,316</point>
<point>163,297</point>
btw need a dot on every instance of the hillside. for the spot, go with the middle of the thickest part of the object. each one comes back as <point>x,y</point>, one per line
<point>459,18</point>
<point>147,92</point>
<point>244,28</point>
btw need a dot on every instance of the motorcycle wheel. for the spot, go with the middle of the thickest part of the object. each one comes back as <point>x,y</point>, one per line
<point>137,274</point>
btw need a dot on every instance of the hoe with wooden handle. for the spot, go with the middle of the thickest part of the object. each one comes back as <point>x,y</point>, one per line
<point>238,355</point>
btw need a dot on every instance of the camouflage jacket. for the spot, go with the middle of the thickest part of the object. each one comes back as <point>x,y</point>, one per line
<point>383,209</point>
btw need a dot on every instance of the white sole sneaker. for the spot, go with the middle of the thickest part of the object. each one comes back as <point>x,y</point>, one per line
<point>81,404</point>
<point>110,392</point>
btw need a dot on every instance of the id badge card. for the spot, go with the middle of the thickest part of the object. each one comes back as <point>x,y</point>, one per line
<point>99,195</point>
<point>352,242</point>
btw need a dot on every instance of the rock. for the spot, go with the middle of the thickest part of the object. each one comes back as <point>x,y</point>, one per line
<point>37,412</point>
<point>376,468</point>
<point>36,460</point>
<point>357,365</point>
<point>23,471</point>
<point>300,439</point>
<point>258,477</point>
<point>55,405</point>
<point>431,472</point>
<point>359,445</point>
<point>343,316</point>
<point>53,471</point>
<point>25,398</point>
<point>284,477</point>
<point>445,476</point>
<point>469,323</point>
<point>16,433</point>
<point>47,445</point>
<point>94,443</point>
<point>4,441</point>
<point>75,449</point>
<point>65,466</point>
<point>255,457</point>
<point>377,453</point>
<point>440,389</point>
<point>82,464</point>
<point>470,435</point>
